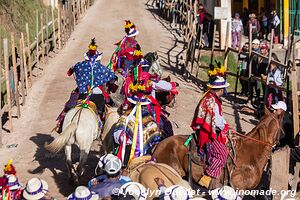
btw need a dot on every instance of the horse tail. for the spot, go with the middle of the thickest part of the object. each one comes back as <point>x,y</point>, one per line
<point>56,145</point>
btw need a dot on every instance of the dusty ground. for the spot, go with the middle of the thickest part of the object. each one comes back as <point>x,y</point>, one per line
<point>104,21</point>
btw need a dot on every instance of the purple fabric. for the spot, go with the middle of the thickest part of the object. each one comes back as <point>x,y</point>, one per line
<point>236,39</point>
<point>106,187</point>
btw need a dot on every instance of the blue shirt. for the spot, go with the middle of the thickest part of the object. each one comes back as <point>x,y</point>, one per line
<point>107,187</point>
<point>83,72</point>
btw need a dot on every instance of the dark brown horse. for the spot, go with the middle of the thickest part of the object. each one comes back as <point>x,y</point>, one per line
<point>251,154</point>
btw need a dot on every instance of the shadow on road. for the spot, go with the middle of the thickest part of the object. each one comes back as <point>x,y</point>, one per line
<point>56,164</point>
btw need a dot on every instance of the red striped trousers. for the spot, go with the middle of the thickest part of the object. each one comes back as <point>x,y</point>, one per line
<point>217,159</point>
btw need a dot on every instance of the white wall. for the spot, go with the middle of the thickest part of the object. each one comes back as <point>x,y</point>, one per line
<point>226,3</point>
<point>52,3</point>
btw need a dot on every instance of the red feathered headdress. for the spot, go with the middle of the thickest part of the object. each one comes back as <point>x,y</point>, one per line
<point>9,168</point>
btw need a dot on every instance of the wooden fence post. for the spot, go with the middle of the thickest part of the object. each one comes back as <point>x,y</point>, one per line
<point>22,77</point>
<point>295,96</point>
<point>250,63</point>
<point>59,27</point>
<point>0,94</point>
<point>226,45</point>
<point>29,52</point>
<point>53,28</point>
<point>47,47</point>
<point>213,44</point>
<point>16,80</point>
<point>5,45</point>
<point>37,42</point>
<point>25,64</point>
<point>269,63</point>
<point>42,38</point>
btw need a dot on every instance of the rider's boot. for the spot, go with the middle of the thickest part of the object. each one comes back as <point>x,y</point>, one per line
<point>209,182</point>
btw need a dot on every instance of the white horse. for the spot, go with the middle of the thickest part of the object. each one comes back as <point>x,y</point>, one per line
<point>81,127</point>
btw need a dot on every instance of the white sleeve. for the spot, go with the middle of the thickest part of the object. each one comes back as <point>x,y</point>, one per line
<point>277,77</point>
<point>220,121</point>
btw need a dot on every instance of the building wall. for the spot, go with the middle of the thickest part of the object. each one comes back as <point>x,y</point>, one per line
<point>52,3</point>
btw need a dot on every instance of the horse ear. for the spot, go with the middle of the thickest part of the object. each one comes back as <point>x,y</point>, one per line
<point>107,107</point>
<point>267,111</point>
<point>168,79</point>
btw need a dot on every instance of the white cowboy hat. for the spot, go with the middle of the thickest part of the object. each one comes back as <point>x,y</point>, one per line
<point>256,41</point>
<point>133,32</point>
<point>113,166</point>
<point>225,192</point>
<point>220,82</point>
<point>83,192</point>
<point>12,182</point>
<point>279,105</point>
<point>177,192</point>
<point>134,100</point>
<point>35,189</point>
<point>135,189</point>
<point>105,158</point>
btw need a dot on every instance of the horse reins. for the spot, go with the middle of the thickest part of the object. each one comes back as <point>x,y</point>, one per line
<point>250,138</point>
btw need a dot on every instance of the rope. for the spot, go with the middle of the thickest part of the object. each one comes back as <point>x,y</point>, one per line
<point>250,138</point>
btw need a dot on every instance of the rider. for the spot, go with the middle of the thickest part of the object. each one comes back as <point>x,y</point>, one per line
<point>124,53</point>
<point>211,127</point>
<point>90,76</point>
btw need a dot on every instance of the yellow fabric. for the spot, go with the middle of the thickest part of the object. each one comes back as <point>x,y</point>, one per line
<point>8,165</point>
<point>205,181</point>
<point>93,47</point>
<point>135,134</point>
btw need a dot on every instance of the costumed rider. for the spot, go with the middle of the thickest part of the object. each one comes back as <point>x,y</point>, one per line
<point>90,76</point>
<point>123,56</point>
<point>137,131</point>
<point>211,127</point>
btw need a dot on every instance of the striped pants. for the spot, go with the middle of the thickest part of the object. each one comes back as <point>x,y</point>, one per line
<point>217,157</point>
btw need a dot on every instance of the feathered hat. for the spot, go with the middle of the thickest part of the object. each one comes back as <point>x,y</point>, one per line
<point>217,76</point>
<point>130,29</point>
<point>9,168</point>
<point>93,46</point>
<point>140,81</point>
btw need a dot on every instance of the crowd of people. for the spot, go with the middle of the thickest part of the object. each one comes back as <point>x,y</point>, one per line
<point>259,68</point>
<point>261,26</point>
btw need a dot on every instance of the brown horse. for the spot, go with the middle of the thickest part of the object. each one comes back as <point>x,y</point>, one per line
<point>252,153</point>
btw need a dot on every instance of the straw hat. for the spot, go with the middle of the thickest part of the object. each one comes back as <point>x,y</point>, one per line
<point>135,189</point>
<point>12,182</point>
<point>105,158</point>
<point>83,192</point>
<point>177,192</point>
<point>218,83</point>
<point>256,41</point>
<point>252,15</point>
<point>35,189</point>
<point>225,192</point>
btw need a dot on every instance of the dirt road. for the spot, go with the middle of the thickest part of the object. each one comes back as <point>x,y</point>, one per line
<point>104,20</point>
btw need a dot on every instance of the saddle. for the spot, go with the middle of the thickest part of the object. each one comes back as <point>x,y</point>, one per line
<point>92,107</point>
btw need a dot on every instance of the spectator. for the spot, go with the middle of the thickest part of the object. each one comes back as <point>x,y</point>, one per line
<point>200,17</point>
<point>135,189</point>
<point>254,84</point>
<point>264,23</point>
<point>245,19</point>
<point>37,189</point>
<point>208,29</point>
<point>255,26</point>
<point>274,95</point>
<point>275,21</point>
<point>237,27</point>
<point>263,62</point>
<point>81,193</point>
<point>104,187</point>
<point>244,71</point>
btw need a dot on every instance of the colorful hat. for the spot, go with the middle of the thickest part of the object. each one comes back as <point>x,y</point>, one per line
<point>225,192</point>
<point>83,193</point>
<point>177,192</point>
<point>113,166</point>
<point>93,46</point>
<point>12,182</point>
<point>264,45</point>
<point>217,77</point>
<point>252,15</point>
<point>130,29</point>
<point>9,168</point>
<point>35,189</point>
<point>140,81</point>
<point>105,158</point>
<point>135,189</point>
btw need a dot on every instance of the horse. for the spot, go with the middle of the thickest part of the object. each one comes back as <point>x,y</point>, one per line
<point>252,153</point>
<point>81,127</point>
<point>154,61</point>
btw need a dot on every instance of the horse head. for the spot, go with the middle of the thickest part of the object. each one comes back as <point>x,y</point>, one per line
<point>271,123</point>
<point>154,61</point>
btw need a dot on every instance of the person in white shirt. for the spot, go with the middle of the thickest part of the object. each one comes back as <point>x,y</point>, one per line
<point>237,27</point>
<point>275,21</point>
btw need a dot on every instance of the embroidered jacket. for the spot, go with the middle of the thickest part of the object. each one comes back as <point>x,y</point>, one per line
<point>208,116</point>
